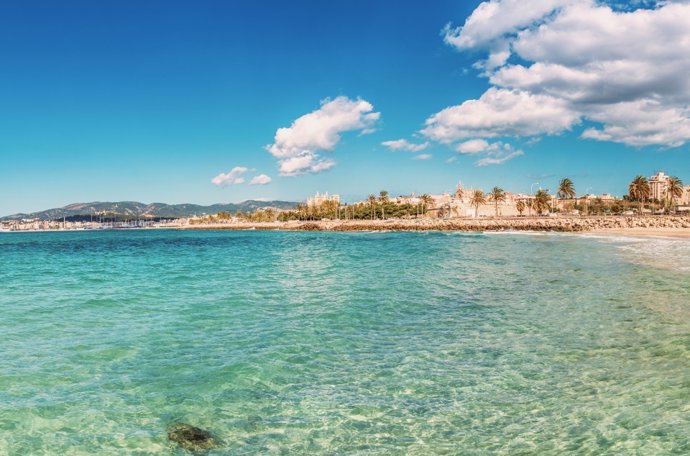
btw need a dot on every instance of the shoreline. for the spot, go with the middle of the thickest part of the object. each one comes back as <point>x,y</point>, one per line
<point>672,233</point>
<point>670,226</point>
<point>676,227</point>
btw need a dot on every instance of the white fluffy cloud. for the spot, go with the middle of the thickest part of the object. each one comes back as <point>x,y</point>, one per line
<point>261,179</point>
<point>422,157</point>
<point>501,112</point>
<point>475,146</point>
<point>298,147</point>
<point>625,69</point>
<point>234,176</point>
<point>403,144</point>
<point>493,20</point>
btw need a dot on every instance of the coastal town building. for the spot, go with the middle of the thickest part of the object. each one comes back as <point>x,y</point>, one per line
<point>590,197</point>
<point>513,198</point>
<point>458,204</point>
<point>321,198</point>
<point>407,199</point>
<point>658,189</point>
<point>658,185</point>
<point>460,193</point>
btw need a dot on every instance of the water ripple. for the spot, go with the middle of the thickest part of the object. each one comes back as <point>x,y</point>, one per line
<point>343,343</point>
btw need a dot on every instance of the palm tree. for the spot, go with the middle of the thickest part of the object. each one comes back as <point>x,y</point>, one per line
<point>520,206</point>
<point>426,199</point>
<point>372,202</point>
<point>541,201</point>
<point>302,211</point>
<point>497,195</point>
<point>674,189</point>
<point>477,199</point>
<point>566,189</point>
<point>530,205</point>
<point>383,199</point>
<point>639,190</point>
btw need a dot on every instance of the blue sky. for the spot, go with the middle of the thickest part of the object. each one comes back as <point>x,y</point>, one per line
<point>149,101</point>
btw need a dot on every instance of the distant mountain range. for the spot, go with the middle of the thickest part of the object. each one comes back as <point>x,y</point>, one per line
<point>140,210</point>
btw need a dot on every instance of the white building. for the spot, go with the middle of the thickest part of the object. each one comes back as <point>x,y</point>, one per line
<point>318,199</point>
<point>658,185</point>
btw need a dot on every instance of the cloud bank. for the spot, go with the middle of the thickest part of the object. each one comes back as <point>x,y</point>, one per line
<point>554,64</point>
<point>298,148</point>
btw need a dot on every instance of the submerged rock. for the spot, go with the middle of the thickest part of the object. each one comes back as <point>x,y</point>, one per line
<point>190,437</point>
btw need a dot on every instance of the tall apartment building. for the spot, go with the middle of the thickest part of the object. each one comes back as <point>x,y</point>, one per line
<point>658,185</point>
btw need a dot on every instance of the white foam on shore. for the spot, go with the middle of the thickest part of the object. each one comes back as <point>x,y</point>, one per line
<point>656,251</point>
<point>665,253</point>
<point>521,233</point>
<point>613,238</point>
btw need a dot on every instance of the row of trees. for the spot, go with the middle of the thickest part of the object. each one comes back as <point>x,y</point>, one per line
<point>261,215</point>
<point>382,207</point>
<point>376,207</point>
<point>479,198</point>
<point>540,204</point>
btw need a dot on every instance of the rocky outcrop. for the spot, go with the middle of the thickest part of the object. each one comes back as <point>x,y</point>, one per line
<point>190,437</point>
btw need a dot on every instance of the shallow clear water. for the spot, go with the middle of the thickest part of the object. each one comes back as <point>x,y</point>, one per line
<point>344,343</point>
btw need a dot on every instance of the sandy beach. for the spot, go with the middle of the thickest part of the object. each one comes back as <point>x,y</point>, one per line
<point>677,233</point>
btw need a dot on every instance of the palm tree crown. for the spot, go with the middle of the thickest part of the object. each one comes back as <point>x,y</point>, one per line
<point>639,188</point>
<point>566,189</point>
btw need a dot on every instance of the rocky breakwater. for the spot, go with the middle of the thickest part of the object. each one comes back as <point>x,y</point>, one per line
<point>557,224</point>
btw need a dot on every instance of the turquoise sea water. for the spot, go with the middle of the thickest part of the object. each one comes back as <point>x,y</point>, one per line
<point>344,343</point>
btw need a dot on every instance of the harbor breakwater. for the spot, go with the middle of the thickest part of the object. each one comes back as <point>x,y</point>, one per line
<point>556,224</point>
